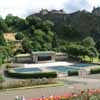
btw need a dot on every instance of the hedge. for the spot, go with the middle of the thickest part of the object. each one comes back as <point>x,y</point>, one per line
<point>95,71</point>
<point>1,78</point>
<point>72,73</point>
<point>10,73</point>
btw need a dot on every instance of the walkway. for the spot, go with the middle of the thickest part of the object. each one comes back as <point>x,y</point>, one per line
<point>71,84</point>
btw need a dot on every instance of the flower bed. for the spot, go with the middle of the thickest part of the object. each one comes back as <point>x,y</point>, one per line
<point>84,95</point>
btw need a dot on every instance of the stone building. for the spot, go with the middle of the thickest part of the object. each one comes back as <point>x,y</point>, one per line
<point>36,57</point>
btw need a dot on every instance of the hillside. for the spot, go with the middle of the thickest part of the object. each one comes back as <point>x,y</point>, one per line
<point>84,23</point>
<point>52,31</point>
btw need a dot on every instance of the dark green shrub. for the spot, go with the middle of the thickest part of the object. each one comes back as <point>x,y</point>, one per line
<point>10,73</point>
<point>72,73</point>
<point>1,78</point>
<point>95,71</point>
<point>8,66</point>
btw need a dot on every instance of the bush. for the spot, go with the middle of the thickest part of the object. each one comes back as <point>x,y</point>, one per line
<point>8,66</point>
<point>11,73</point>
<point>72,73</point>
<point>1,79</point>
<point>95,71</point>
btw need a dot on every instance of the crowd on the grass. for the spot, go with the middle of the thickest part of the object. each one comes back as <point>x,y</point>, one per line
<point>89,94</point>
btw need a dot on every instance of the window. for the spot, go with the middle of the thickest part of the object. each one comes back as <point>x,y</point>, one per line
<point>44,58</point>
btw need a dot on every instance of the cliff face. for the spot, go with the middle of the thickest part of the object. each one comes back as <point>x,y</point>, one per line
<point>96,11</point>
<point>85,23</point>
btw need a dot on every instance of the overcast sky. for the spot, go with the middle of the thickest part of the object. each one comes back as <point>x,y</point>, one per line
<point>23,7</point>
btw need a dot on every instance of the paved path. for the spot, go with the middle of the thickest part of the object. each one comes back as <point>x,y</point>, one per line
<point>72,84</point>
<point>35,93</point>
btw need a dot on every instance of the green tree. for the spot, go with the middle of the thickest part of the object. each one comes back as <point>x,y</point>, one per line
<point>5,53</point>
<point>70,32</point>
<point>27,45</point>
<point>98,46</point>
<point>3,25</point>
<point>88,42</point>
<point>2,40</point>
<point>92,52</point>
<point>9,20</point>
<point>38,35</point>
<point>15,23</point>
<point>47,25</point>
<point>33,20</point>
<point>73,50</point>
<point>19,36</point>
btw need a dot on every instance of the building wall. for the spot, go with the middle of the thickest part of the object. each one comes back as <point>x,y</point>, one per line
<point>24,59</point>
<point>34,58</point>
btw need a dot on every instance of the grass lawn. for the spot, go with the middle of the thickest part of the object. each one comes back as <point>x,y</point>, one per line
<point>95,60</point>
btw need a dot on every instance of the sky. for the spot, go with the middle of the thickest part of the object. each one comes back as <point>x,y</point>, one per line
<point>22,8</point>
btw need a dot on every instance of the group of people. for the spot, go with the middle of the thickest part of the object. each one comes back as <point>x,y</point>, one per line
<point>20,98</point>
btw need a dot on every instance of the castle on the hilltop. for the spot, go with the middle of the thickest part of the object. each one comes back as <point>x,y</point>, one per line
<point>96,11</point>
<point>45,11</point>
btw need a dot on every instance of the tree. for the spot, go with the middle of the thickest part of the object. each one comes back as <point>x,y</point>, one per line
<point>9,20</point>
<point>47,25</point>
<point>38,35</point>
<point>19,36</point>
<point>42,39</point>
<point>2,40</point>
<point>3,26</point>
<point>83,52</point>
<point>48,37</point>
<point>92,52</point>
<point>5,52</point>
<point>27,45</point>
<point>15,23</point>
<point>98,46</point>
<point>88,42</point>
<point>33,20</point>
<point>70,32</point>
<point>73,50</point>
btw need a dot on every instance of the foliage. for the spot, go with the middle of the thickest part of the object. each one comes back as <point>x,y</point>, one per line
<point>56,32</point>
<point>76,50</point>
<point>3,26</point>
<point>70,32</point>
<point>2,40</point>
<point>33,20</point>
<point>18,51</point>
<point>72,73</point>
<point>27,45</point>
<point>98,46</point>
<point>88,42</point>
<point>92,53</point>
<point>19,36</point>
<point>47,25</point>
<point>81,21</point>
<point>8,66</point>
<point>14,23</point>
<point>1,78</point>
<point>5,52</point>
<point>95,71</point>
